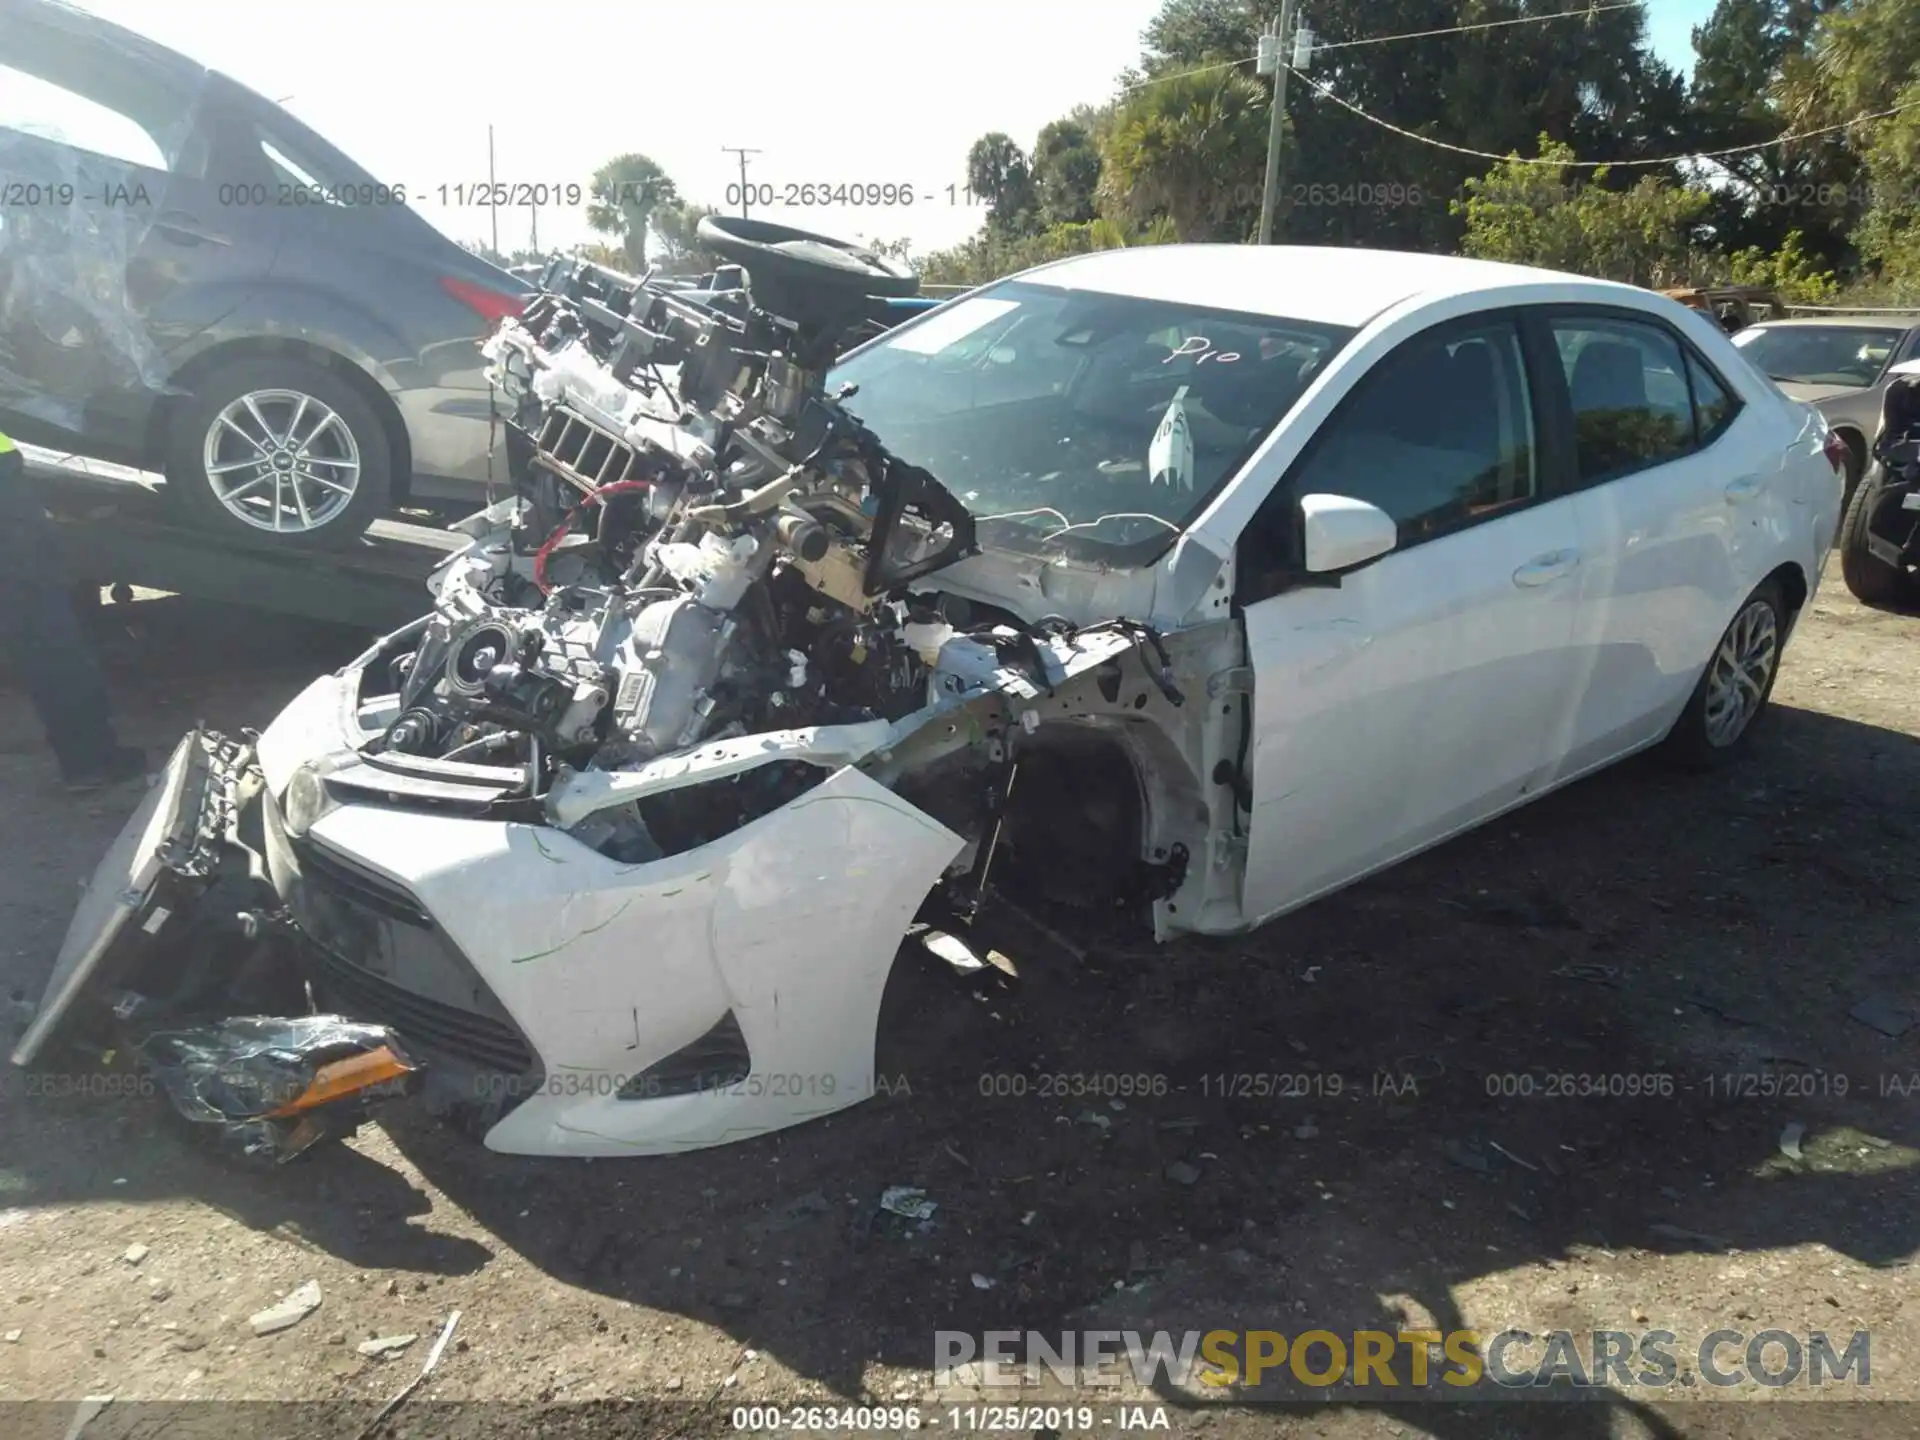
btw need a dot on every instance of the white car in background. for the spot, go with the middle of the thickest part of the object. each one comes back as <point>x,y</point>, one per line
<point>1315,557</point>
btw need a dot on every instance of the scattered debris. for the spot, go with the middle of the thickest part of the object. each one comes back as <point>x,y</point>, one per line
<point>981,1282</point>
<point>13,1336</point>
<point>300,1303</point>
<point>1523,1164</point>
<point>947,1145</point>
<point>275,1087</point>
<point>386,1346</point>
<point>1181,1173</point>
<point>1465,1157</point>
<point>134,1254</point>
<point>1096,1119</point>
<point>433,1359</point>
<point>1305,1130</point>
<point>907,1201</point>
<point>1882,1015</point>
<point>1790,1140</point>
<point>675,1383</point>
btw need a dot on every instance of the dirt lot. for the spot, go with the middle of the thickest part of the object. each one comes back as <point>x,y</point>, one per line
<point>1637,925</point>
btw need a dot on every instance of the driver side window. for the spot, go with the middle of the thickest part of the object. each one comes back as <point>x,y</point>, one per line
<point>1439,434</point>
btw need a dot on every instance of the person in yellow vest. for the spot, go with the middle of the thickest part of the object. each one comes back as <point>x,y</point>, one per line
<point>44,645</point>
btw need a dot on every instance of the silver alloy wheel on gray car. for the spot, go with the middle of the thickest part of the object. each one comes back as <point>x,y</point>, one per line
<point>1741,671</point>
<point>282,461</point>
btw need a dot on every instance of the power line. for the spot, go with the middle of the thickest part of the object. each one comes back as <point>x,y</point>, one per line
<point>1383,39</point>
<point>1182,74</point>
<point>1787,139</point>
<point>1483,25</point>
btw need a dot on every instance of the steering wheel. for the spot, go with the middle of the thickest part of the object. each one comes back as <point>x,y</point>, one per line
<point>807,278</point>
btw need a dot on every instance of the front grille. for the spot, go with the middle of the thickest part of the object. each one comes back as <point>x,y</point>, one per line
<point>378,955</point>
<point>430,1025</point>
<point>362,887</point>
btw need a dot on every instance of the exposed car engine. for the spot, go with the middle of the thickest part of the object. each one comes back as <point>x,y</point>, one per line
<point>703,544</point>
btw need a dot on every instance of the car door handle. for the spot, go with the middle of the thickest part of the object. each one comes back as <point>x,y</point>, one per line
<point>1545,569</point>
<point>1745,488</point>
<point>184,229</point>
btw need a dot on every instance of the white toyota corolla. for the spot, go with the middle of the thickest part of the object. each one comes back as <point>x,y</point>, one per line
<point>1263,568</point>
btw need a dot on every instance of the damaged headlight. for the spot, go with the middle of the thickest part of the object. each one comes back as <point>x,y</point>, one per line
<point>307,800</point>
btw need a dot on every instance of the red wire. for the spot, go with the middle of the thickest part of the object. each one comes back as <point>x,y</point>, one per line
<point>547,546</point>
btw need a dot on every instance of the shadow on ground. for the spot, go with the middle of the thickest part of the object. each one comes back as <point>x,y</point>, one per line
<point>1274,1132</point>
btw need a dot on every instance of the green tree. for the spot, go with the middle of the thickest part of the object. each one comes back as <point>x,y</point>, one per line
<point>1741,53</point>
<point>676,226</point>
<point>999,172</point>
<point>1547,215</point>
<point>1191,148</point>
<point>1864,57</point>
<point>625,192</point>
<point>1592,82</point>
<point>1066,173</point>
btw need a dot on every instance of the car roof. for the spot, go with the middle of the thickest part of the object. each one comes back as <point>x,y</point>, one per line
<point>1325,285</point>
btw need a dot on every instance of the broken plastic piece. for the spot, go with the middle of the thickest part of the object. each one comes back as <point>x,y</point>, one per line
<point>908,1202</point>
<point>276,1086</point>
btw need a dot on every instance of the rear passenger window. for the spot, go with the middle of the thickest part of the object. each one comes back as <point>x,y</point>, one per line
<point>1632,405</point>
<point>1714,406</point>
<point>1438,435</point>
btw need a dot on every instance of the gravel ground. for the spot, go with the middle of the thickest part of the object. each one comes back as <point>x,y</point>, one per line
<point>1636,925</point>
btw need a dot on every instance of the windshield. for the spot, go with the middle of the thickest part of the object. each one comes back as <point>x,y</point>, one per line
<point>1820,354</point>
<point>1095,424</point>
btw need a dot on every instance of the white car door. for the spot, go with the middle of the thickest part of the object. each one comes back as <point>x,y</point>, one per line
<point>1417,695</point>
<point>1675,478</point>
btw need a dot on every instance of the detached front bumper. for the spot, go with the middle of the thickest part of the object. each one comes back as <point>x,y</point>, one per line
<point>563,1003</point>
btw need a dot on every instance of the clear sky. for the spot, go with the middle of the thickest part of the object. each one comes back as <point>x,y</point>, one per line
<point>885,92</point>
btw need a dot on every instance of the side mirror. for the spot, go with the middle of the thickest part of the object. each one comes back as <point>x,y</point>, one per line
<point>1340,533</point>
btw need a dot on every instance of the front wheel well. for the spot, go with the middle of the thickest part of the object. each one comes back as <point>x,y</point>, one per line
<point>1075,824</point>
<point>159,436</point>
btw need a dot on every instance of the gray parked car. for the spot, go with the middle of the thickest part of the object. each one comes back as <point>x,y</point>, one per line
<point>194,282</point>
<point>1837,363</point>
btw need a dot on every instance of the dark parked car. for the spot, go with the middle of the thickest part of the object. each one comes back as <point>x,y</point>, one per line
<point>194,282</point>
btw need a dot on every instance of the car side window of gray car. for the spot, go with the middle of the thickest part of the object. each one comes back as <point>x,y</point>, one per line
<point>85,97</point>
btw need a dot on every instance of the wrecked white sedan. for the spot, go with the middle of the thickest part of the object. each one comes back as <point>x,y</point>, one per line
<point>1201,580</point>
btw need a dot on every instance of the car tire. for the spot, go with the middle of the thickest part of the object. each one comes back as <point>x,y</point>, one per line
<point>1872,580</point>
<point>279,426</point>
<point>1744,664</point>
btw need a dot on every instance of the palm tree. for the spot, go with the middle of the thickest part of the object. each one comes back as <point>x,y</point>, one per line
<point>1190,148</point>
<point>625,192</point>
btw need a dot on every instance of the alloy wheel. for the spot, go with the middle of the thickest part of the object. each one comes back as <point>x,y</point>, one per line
<point>1741,671</point>
<point>281,461</point>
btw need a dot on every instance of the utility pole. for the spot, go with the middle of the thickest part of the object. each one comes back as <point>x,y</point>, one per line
<point>492,200</point>
<point>533,242</point>
<point>742,153</point>
<point>1273,61</point>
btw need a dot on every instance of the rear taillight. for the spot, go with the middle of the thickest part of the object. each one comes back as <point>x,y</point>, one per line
<point>490,305</point>
<point>1837,453</point>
